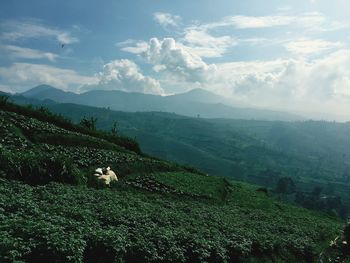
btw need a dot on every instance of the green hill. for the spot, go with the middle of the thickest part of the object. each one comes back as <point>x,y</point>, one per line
<point>315,154</point>
<point>53,209</point>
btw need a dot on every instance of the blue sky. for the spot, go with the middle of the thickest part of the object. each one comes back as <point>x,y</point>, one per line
<point>291,55</point>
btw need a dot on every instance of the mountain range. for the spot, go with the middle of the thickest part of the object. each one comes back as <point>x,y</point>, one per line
<point>195,103</point>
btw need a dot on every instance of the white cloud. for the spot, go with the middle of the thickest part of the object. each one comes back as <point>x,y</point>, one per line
<point>203,44</point>
<point>311,46</point>
<point>137,49</point>
<point>132,46</point>
<point>126,43</point>
<point>312,21</point>
<point>166,19</point>
<point>177,61</point>
<point>260,22</point>
<point>26,29</point>
<point>125,75</point>
<point>304,85</point>
<point>194,41</point>
<point>21,76</point>
<point>27,53</point>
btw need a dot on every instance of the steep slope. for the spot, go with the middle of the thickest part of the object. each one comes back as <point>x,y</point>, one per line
<point>302,145</point>
<point>52,209</point>
<point>194,103</point>
<point>313,154</point>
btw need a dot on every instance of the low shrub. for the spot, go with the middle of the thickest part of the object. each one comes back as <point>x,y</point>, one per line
<point>37,168</point>
<point>44,114</point>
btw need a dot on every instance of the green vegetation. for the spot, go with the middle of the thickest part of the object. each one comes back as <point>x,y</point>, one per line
<point>52,209</point>
<point>207,186</point>
<point>87,126</point>
<point>313,154</point>
<point>60,223</point>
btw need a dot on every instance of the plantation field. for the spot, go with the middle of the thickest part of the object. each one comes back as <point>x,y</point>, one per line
<point>52,209</point>
<point>61,223</point>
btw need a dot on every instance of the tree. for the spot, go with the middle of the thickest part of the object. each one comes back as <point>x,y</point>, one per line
<point>317,191</point>
<point>89,123</point>
<point>285,185</point>
<point>4,100</point>
<point>114,130</point>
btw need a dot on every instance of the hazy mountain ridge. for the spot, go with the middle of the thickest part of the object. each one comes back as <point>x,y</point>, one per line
<point>193,103</point>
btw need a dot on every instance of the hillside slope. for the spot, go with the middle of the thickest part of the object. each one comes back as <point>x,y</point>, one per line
<point>318,150</point>
<point>52,209</point>
<point>315,154</point>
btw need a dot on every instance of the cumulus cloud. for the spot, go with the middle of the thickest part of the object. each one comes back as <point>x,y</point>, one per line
<point>166,20</point>
<point>292,84</point>
<point>175,60</point>
<point>27,53</point>
<point>311,46</point>
<point>125,75</point>
<point>26,29</point>
<point>20,76</point>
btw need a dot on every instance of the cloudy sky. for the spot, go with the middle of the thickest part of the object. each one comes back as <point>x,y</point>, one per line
<point>292,55</point>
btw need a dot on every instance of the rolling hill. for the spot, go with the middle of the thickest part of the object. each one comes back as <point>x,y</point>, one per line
<point>53,209</point>
<point>314,154</point>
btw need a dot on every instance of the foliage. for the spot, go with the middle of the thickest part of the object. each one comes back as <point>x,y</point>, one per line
<point>89,123</point>
<point>114,130</point>
<point>35,168</point>
<point>45,115</point>
<point>285,185</point>
<point>207,186</point>
<point>260,152</point>
<point>60,223</point>
<point>157,212</point>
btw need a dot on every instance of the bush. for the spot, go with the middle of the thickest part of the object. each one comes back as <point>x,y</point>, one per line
<point>44,114</point>
<point>74,140</point>
<point>37,168</point>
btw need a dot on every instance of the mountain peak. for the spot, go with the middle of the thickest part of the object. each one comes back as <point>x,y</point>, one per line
<point>38,89</point>
<point>198,91</point>
<point>43,92</point>
<point>199,95</point>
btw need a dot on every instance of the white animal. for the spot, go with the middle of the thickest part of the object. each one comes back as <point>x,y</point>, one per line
<point>98,172</point>
<point>112,174</point>
<point>108,177</point>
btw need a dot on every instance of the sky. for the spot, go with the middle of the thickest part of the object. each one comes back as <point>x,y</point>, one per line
<point>291,55</point>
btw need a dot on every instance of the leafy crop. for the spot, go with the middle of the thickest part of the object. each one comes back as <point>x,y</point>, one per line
<point>63,223</point>
<point>44,115</point>
<point>52,208</point>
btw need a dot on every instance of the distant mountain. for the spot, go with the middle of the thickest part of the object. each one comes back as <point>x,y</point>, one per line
<point>195,103</point>
<point>43,92</point>
<point>198,95</point>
